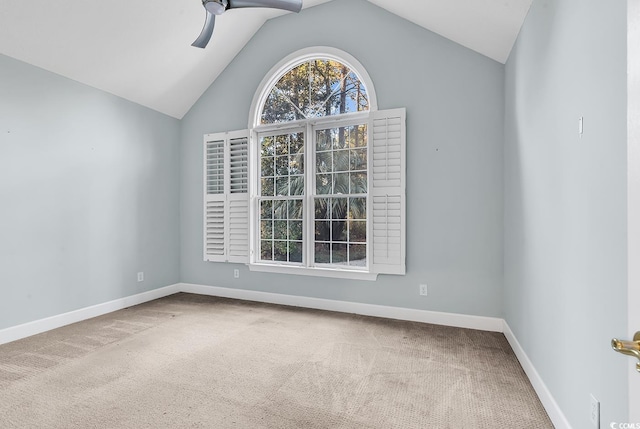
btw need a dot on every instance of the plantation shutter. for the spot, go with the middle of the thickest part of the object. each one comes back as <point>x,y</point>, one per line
<point>226,199</point>
<point>387,134</point>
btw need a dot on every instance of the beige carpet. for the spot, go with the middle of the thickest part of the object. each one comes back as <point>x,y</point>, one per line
<point>189,361</point>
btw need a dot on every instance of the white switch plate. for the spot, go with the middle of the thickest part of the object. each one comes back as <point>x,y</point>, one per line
<point>236,273</point>
<point>423,289</point>
<point>140,276</point>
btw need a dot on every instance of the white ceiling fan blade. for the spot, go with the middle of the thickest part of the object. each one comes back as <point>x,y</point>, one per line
<point>291,5</point>
<point>207,31</point>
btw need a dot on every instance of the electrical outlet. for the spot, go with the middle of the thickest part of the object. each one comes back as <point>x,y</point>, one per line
<point>423,290</point>
<point>595,412</point>
<point>236,273</point>
<point>140,276</point>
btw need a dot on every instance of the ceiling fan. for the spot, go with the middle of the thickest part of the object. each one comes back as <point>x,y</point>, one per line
<point>217,7</point>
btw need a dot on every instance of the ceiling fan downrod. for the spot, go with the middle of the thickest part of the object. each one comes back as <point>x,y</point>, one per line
<point>217,7</point>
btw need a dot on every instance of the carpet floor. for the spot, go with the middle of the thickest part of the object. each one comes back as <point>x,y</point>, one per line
<point>190,361</point>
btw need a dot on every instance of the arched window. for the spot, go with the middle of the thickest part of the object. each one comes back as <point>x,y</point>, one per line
<point>314,88</point>
<point>326,188</point>
<point>311,83</point>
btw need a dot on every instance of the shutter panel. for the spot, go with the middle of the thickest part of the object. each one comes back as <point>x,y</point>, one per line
<point>387,134</point>
<point>238,199</point>
<point>239,165</point>
<point>226,199</point>
<point>214,230</point>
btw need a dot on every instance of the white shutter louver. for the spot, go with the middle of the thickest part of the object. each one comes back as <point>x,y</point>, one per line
<point>214,228</point>
<point>239,165</point>
<point>214,166</point>
<point>238,230</point>
<point>226,202</point>
<point>388,232</point>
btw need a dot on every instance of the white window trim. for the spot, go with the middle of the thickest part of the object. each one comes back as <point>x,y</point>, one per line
<point>314,271</point>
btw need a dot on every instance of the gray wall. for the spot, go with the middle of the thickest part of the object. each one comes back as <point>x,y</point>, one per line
<point>88,195</point>
<point>565,201</point>
<point>454,99</point>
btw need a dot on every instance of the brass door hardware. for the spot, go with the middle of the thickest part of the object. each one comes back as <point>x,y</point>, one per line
<point>629,348</point>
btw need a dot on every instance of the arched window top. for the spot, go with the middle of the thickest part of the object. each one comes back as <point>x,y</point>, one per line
<point>315,88</point>
<point>313,83</point>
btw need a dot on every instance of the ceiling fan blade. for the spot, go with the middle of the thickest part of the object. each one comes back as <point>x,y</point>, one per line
<point>207,31</point>
<point>291,5</point>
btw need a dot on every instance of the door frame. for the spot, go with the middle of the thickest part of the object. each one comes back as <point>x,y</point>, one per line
<point>633,194</point>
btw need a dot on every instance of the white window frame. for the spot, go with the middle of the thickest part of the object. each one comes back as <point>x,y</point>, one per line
<point>308,267</point>
<point>386,160</point>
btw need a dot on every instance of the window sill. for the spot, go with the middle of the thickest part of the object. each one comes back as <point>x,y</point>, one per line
<point>315,272</point>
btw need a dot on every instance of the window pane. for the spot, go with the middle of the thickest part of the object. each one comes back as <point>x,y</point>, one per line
<point>358,159</point>
<point>282,165</point>
<point>282,145</point>
<point>323,231</point>
<point>322,204</point>
<point>341,160</point>
<point>358,183</point>
<point>357,231</point>
<point>339,253</point>
<point>339,231</point>
<point>323,140</point>
<point>296,185</point>
<point>280,209</point>
<point>357,208</point>
<point>266,250</point>
<point>322,253</point>
<point>280,230</point>
<point>296,145</point>
<point>266,229</point>
<point>339,138</point>
<point>295,209</point>
<point>266,209</point>
<point>350,98</point>
<point>295,251</point>
<point>266,186</point>
<point>358,255</point>
<point>267,166</point>
<point>338,208</point>
<point>282,186</point>
<point>360,137</point>
<point>341,183</point>
<point>296,165</point>
<point>324,162</point>
<point>280,251</point>
<point>324,183</point>
<point>267,146</point>
<point>295,230</point>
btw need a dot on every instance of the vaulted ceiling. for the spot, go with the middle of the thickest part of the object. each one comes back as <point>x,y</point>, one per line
<point>141,50</point>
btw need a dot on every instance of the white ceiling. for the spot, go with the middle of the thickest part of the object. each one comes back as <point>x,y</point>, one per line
<point>141,50</point>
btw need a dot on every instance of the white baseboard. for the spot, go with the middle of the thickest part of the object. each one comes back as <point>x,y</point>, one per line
<point>493,324</point>
<point>39,326</point>
<point>550,405</point>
